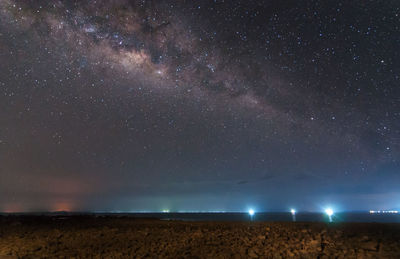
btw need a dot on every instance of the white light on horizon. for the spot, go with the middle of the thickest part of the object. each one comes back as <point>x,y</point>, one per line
<point>251,212</point>
<point>329,212</point>
<point>384,211</point>
<point>293,211</point>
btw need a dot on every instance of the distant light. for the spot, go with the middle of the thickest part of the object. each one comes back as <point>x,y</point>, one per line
<point>165,211</point>
<point>329,212</point>
<point>384,211</point>
<point>293,211</point>
<point>251,212</point>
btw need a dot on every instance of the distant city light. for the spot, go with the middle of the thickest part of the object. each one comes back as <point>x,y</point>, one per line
<point>165,211</point>
<point>293,211</point>
<point>383,211</point>
<point>251,212</point>
<point>329,212</point>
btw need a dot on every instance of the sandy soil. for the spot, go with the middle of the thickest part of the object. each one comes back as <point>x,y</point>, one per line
<point>111,237</point>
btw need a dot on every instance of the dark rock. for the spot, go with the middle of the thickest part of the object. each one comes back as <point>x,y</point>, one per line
<point>369,246</point>
<point>252,254</point>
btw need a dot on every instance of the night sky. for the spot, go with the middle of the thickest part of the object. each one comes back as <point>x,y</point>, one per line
<point>199,105</point>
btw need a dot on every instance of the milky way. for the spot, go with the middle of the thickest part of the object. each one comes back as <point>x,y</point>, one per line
<point>199,105</point>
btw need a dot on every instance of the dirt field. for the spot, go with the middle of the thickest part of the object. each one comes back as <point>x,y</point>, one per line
<point>111,237</point>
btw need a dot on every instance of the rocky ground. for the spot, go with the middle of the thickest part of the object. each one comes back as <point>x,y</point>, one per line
<point>111,237</point>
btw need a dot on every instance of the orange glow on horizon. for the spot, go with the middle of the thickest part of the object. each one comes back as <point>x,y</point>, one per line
<point>12,208</point>
<point>63,206</point>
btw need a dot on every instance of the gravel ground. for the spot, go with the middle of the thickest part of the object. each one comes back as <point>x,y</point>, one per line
<point>112,237</point>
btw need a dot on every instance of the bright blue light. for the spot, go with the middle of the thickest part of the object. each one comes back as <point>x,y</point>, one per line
<point>293,211</point>
<point>251,212</point>
<point>329,212</point>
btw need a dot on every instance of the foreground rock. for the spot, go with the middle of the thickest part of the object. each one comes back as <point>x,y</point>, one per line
<point>88,237</point>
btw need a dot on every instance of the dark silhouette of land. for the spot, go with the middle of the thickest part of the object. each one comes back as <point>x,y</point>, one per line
<point>127,237</point>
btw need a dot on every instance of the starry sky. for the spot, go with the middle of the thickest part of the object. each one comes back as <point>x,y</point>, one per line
<point>199,105</point>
